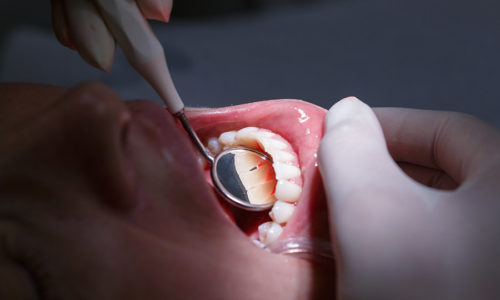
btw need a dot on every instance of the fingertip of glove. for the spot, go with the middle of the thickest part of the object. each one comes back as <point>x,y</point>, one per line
<point>346,109</point>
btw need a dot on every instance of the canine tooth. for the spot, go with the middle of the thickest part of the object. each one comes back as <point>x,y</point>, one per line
<point>213,145</point>
<point>228,138</point>
<point>285,171</point>
<point>281,212</point>
<point>269,232</point>
<point>287,191</point>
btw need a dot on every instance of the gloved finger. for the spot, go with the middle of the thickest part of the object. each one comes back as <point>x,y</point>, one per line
<point>353,154</point>
<point>60,24</point>
<point>379,217</point>
<point>430,177</point>
<point>458,144</point>
<point>156,9</point>
<point>89,33</point>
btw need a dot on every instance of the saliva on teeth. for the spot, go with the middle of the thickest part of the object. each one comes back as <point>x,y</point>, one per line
<point>281,184</point>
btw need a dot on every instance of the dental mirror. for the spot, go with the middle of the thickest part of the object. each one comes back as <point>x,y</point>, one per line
<point>237,173</point>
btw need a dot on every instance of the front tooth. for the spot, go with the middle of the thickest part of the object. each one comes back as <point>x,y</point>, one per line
<point>287,191</point>
<point>285,171</point>
<point>281,212</point>
<point>228,138</point>
<point>269,232</point>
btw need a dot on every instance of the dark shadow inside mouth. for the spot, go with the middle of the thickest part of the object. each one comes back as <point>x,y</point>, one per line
<point>246,221</point>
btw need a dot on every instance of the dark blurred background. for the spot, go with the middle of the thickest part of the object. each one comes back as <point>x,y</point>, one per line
<point>432,54</point>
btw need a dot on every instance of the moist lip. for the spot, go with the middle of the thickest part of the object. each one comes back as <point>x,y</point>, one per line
<point>300,123</point>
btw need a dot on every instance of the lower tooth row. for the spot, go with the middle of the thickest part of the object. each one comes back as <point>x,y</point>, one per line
<point>288,187</point>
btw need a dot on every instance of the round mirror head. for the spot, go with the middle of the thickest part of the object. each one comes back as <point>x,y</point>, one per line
<point>245,177</point>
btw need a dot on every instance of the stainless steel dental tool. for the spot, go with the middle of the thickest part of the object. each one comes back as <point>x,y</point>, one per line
<point>146,55</point>
<point>227,173</point>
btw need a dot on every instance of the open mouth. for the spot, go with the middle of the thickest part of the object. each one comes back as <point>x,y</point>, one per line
<point>290,132</point>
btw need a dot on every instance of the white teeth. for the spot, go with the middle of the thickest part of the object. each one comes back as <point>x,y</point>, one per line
<point>269,143</point>
<point>202,162</point>
<point>269,232</point>
<point>247,138</point>
<point>213,145</point>
<point>285,171</point>
<point>281,212</point>
<point>248,130</point>
<point>287,191</point>
<point>280,155</point>
<point>286,185</point>
<point>228,138</point>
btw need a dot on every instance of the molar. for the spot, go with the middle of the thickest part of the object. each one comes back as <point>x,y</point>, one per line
<point>287,191</point>
<point>269,232</point>
<point>281,212</point>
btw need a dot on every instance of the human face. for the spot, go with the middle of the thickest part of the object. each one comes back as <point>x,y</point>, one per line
<point>101,199</point>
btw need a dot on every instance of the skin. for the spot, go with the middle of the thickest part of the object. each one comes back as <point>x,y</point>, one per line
<point>97,202</point>
<point>425,228</point>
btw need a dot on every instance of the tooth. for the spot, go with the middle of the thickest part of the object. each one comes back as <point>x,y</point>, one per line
<point>266,133</point>
<point>247,139</point>
<point>202,162</point>
<point>285,171</point>
<point>213,145</point>
<point>269,232</point>
<point>287,191</point>
<point>268,143</point>
<point>228,138</point>
<point>280,155</point>
<point>281,212</point>
<point>259,244</point>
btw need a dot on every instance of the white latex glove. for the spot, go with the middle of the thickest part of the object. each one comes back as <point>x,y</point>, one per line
<point>396,238</point>
<point>92,26</point>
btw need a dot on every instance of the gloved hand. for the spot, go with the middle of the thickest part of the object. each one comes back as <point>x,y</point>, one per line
<point>427,227</point>
<point>92,26</point>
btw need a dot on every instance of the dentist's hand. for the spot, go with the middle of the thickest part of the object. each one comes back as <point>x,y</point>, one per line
<point>427,227</point>
<point>92,26</point>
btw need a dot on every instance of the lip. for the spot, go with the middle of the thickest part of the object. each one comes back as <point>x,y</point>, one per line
<point>301,124</point>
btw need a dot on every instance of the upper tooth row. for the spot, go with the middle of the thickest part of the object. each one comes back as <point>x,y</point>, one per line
<point>285,165</point>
